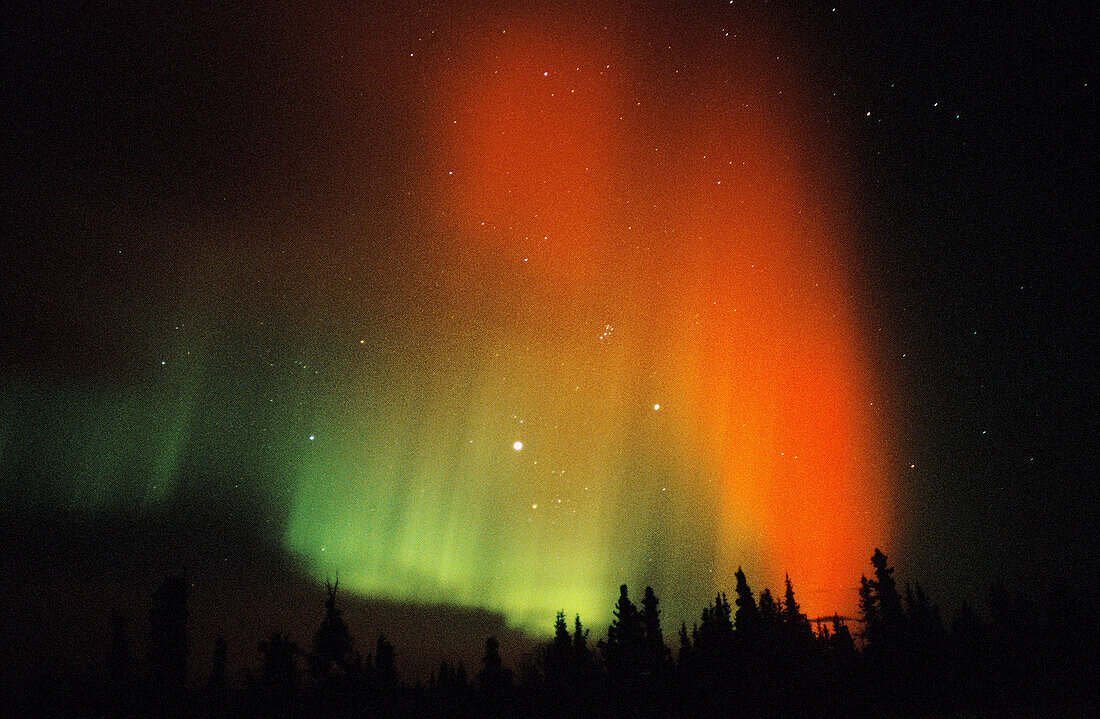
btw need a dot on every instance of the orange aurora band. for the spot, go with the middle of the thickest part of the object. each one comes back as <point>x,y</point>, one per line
<point>712,232</point>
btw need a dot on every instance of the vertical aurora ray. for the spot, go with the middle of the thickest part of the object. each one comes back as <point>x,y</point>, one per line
<point>95,449</point>
<point>642,280</point>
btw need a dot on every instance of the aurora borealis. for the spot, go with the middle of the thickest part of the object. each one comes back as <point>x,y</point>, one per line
<point>651,298</point>
<point>499,308</point>
<point>639,275</point>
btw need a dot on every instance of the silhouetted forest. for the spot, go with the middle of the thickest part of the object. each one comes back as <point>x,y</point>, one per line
<point>758,655</point>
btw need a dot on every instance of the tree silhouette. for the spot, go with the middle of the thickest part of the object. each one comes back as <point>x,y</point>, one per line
<point>655,653</point>
<point>684,656</point>
<point>494,678</point>
<point>926,630</point>
<point>451,678</point>
<point>917,606</point>
<point>583,665</point>
<point>880,607</point>
<point>385,664</point>
<point>868,609</point>
<point>746,618</point>
<point>769,617</point>
<point>841,640</point>
<point>768,608</point>
<point>580,640</point>
<point>1033,658</point>
<point>622,650</point>
<point>796,624</point>
<point>886,588</point>
<point>167,648</point>
<point>715,633</point>
<point>280,676</point>
<point>562,639</point>
<point>449,687</point>
<point>332,642</point>
<point>558,655</point>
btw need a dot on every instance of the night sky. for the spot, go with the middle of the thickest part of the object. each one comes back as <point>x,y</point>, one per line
<point>487,309</point>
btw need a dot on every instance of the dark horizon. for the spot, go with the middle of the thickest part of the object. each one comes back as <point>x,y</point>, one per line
<point>749,654</point>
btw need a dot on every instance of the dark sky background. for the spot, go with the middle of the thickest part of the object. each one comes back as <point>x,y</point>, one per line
<point>170,167</point>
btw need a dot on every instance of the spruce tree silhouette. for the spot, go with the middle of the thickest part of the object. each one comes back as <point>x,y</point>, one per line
<point>715,632</point>
<point>280,677</point>
<point>841,641</point>
<point>1031,659</point>
<point>558,655</point>
<point>723,622</point>
<point>917,606</point>
<point>868,610</point>
<point>926,634</point>
<point>654,652</point>
<point>448,692</point>
<point>494,682</point>
<point>747,618</point>
<point>886,590</point>
<point>494,679</point>
<point>443,675</point>
<point>881,612</point>
<point>562,640</point>
<point>711,656</point>
<point>683,658</point>
<point>582,655</point>
<point>821,631</point>
<point>623,648</point>
<point>768,610</point>
<point>580,639</point>
<point>332,642</point>
<point>167,648</point>
<point>890,667</point>
<point>795,623</point>
<point>385,663</point>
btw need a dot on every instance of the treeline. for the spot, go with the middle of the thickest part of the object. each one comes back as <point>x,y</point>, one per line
<point>760,656</point>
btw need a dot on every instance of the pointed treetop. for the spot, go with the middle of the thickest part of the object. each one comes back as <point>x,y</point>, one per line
<point>746,616</point>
